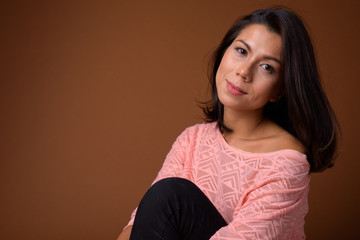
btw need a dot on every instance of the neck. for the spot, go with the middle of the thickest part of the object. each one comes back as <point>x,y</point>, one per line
<point>245,125</point>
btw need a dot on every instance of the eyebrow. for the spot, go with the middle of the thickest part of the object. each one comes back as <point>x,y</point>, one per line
<point>265,57</point>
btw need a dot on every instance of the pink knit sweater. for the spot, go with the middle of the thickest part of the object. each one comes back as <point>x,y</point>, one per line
<point>260,195</point>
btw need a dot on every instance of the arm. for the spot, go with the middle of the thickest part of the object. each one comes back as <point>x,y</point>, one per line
<point>125,234</point>
<point>177,160</point>
<point>173,166</point>
<point>272,208</point>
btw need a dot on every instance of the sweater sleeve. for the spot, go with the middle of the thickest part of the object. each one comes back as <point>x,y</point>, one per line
<point>176,163</point>
<point>273,208</point>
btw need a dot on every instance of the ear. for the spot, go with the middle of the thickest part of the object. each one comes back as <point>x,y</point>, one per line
<point>275,98</point>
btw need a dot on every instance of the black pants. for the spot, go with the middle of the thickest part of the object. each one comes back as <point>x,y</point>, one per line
<point>175,208</point>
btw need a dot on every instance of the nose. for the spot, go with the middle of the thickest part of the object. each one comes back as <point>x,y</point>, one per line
<point>243,71</point>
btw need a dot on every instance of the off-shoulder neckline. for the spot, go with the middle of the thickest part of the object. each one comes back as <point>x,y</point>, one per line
<point>289,151</point>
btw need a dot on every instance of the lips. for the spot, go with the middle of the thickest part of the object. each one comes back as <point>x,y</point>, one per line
<point>235,90</point>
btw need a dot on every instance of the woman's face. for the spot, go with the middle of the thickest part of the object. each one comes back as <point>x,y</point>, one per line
<point>249,73</point>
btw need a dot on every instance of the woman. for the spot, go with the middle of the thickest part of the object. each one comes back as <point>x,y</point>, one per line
<point>245,173</point>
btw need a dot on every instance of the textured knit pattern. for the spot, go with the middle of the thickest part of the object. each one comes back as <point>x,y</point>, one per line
<point>260,195</point>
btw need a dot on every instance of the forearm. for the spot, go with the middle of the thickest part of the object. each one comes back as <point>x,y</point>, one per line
<point>125,234</point>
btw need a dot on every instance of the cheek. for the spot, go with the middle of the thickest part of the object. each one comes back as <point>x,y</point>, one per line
<point>217,83</point>
<point>272,90</point>
<point>219,74</point>
<point>225,65</point>
<point>278,86</point>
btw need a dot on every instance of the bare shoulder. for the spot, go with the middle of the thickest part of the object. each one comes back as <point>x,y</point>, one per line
<point>270,138</point>
<point>284,140</point>
<point>125,234</point>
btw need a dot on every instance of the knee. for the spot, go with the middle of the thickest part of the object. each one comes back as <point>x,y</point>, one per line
<point>173,184</point>
<point>170,184</point>
<point>170,188</point>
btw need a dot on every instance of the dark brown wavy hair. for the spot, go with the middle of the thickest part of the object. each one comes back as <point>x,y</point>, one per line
<point>303,110</point>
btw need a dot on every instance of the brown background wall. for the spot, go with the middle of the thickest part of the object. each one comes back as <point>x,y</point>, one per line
<point>92,95</point>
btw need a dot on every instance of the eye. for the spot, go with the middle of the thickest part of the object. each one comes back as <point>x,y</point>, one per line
<point>241,51</point>
<point>267,68</point>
